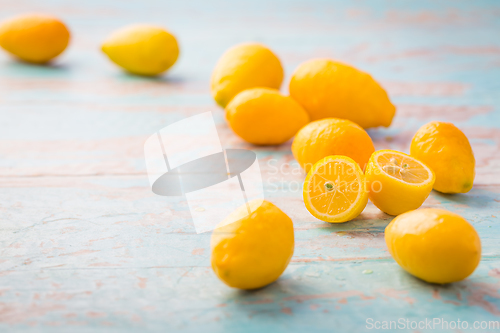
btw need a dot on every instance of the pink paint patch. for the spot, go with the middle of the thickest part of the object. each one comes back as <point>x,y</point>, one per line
<point>449,112</point>
<point>260,301</point>
<point>198,252</point>
<point>13,313</point>
<point>103,264</point>
<point>92,314</point>
<point>396,294</point>
<point>319,259</point>
<point>479,292</point>
<point>341,294</point>
<point>142,282</point>
<point>437,295</point>
<point>495,272</point>
<point>78,253</point>
<point>425,88</point>
<point>314,306</point>
<point>287,311</point>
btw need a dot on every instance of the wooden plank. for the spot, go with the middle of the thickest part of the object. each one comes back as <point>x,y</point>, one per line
<point>86,246</point>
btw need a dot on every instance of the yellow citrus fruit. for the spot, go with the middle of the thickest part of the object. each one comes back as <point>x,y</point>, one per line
<point>328,88</point>
<point>434,245</point>
<point>447,151</point>
<point>334,190</point>
<point>254,250</point>
<point>331,136</point>
<point>263,116</point>
<point>244,66</point>
<point>142,49</point>
<point>397,182</point>
<point>34,38</point>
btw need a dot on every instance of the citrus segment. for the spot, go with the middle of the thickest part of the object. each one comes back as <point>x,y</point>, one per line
<point>397,182</point>
<point>334,189</point>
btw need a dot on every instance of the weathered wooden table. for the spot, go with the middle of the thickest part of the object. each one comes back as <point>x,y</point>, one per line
<point>84,243</point>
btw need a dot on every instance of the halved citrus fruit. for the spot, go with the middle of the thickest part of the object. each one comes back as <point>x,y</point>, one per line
<point>397,182</point>
<point>334,189</point>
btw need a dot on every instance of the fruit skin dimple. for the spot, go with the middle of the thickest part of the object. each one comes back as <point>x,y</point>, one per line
<point>434,245</point>
<point>255,250</point>
<point>245,66</point>
<point>34,38</point>
<point>263,116</point>
<point>447,151</point>
<point>331,136</point>
<point>328,88</point>
<point>390,195</point>
<point>142,49</point>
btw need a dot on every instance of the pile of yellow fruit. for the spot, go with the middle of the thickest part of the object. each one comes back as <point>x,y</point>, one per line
<point>329,107</point>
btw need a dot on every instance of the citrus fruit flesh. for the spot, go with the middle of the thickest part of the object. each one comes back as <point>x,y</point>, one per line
<point>142,49</point>
<point>331,136</point>
<point>255,249</point>
<point>327,88</point>
<point>334,189</point>
<point>445,149</point>
<point>245,66</point>
<point>263,116</point>
<point>397,182</point>
<point>434,245</point>
<point>34,38</point>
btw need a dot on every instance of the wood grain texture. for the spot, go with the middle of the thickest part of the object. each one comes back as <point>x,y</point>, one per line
<point>86,246</point>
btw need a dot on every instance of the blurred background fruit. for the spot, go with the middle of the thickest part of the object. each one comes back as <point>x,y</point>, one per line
<point>142,49</point>
<point>35,38</point>
<point>447,151</point>
<point>334,190</point>
<point>331,136</point>
<point>434,245</point>
<point>328,88</point>
<point>263,116</point>
<point>244,66</point>
<point>255,250</point>
<point>397,182</point>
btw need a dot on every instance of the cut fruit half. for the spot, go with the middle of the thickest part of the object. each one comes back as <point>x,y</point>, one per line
<point>334,189</point>
<point>397,182</point>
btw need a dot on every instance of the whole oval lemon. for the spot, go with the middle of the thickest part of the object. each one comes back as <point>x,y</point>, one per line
<point>34,38</point>
<point>447,151</point>
<point>254,250</point>
<point>244,66</point>
<point>434,245</point>
<point>263,116</point>
<point>142,49</point>
<point>331,136</point>
<point>328,88</point>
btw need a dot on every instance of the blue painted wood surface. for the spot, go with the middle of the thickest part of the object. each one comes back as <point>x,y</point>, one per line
<point>86,246</point>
